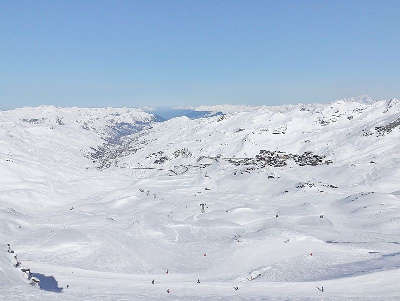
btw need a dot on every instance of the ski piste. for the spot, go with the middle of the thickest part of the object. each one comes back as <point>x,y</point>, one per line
<point>297,202</point>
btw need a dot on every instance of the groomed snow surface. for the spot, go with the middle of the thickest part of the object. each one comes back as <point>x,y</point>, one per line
<point>98,203</point>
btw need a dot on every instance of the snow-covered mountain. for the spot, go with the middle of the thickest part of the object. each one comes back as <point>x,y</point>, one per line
<point>256,203</point>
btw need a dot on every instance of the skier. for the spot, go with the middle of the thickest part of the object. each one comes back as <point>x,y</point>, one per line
<point>198,280</point>
<point>152,282</point>
<point>35,281</point>
<point>321,289</point>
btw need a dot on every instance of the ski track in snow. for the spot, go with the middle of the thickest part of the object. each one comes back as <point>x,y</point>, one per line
<point>97,203</point>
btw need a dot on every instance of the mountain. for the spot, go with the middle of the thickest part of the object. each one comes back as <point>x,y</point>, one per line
<point>256,203</point>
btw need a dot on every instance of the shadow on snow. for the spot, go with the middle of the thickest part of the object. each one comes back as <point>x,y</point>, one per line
<point>47,283</point>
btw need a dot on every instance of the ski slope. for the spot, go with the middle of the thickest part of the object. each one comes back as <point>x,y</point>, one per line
<point>276,202</point>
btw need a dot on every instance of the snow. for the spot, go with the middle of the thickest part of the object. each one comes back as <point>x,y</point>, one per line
<point>105,200</point>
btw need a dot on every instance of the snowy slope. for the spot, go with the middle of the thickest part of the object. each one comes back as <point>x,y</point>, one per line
<point>294,197</point>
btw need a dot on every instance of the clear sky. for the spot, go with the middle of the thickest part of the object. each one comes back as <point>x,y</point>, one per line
<point>167,52</point>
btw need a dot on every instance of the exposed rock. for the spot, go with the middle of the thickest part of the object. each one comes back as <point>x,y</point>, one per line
<point>386,129</point>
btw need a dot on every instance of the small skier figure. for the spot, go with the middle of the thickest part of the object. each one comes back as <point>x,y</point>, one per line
<point>198,280</point>
<point>152,281</point>
<point>168,291</point>
<point>235,288</point>
<point>166,272</point>
<point>321,289</point>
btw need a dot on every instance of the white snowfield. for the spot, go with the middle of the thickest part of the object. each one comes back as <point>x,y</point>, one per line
<point>296,202</point>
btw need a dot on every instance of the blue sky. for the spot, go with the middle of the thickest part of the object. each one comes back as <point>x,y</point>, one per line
<point>134,53</point>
